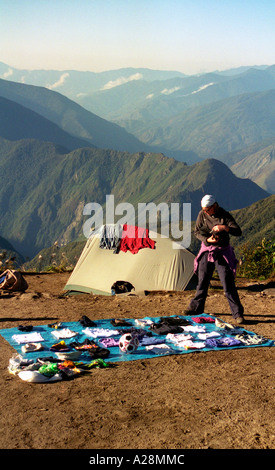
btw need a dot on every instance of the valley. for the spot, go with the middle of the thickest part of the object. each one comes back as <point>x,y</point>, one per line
<point>69,138</point>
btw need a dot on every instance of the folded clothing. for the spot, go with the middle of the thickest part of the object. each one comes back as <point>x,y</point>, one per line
<point>64,333</point>
<point>184,341</point>
<point>148,340</point>
<point>100,332</point>
<point>109,342</point>
<point>86,345</point>
<point>144,322</point>
<point>189,344</point>
<point>164,329</point>
<point>60,347</point>
<point>99,353</point>
<point>194,329</point>
<point>139,332</point>
<point>71,355</point>
<point>173,321</point>
<point>32,347</point>
<point>94,364</point>
<point>211,334</point>
<point>159,349</point>
<point>48,369</point>
<point>222,342</point>
<point>28,338</point>
<point>203,319</point>
<point>42,360</point>
<point>175,338</point>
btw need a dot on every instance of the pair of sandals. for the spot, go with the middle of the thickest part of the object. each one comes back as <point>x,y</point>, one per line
<point>250,339</point>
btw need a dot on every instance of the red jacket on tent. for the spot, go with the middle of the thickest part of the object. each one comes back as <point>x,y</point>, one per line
<point>135,238</point>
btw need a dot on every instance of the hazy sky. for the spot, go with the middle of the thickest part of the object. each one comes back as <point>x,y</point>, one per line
<point>190,36</point>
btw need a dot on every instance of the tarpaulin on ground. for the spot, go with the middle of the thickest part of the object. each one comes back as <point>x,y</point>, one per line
<point>157,336</point>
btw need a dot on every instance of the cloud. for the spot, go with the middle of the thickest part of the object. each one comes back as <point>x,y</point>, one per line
<point>8,74</point>
<point>149,97</point>
<point>121,81</point>
<point>169,91</point>
<point>59,82</point>
<point>202,88</point>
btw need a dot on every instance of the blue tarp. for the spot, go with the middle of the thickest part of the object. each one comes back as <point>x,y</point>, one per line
<point>116,355</point>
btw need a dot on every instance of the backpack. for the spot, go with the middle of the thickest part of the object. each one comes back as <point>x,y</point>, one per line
<point>13,281</point>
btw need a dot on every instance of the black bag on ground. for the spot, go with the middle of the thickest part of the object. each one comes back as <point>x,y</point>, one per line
<point>120,287</point>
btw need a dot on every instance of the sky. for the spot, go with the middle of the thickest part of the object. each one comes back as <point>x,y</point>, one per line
<point>190,36</point>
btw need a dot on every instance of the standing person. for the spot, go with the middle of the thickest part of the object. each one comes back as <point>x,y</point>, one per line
<point>213,227</point>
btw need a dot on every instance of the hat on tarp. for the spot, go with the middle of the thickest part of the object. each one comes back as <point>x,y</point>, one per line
<point>208,200</point>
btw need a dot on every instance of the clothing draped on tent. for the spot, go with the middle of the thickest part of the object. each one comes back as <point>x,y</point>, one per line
<point>125,237</point>
<point>110,237</point>
<point>135,238</point>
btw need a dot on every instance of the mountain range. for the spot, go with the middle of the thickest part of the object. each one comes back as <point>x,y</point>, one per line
<point>216,115</point>
<point>44,197</point>
<point>215,129</point>
<point>138,88</point>
<point>67,115</point>
<point>56,155</point>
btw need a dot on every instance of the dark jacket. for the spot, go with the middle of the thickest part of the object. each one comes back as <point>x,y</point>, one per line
<point>206,222</point>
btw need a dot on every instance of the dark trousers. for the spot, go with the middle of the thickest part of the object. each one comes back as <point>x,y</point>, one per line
<point>205,272</point>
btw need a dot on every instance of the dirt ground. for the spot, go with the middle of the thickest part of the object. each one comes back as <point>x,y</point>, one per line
<point>201,400</point>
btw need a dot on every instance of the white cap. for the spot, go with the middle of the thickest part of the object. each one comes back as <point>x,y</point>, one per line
<point>208,200</point>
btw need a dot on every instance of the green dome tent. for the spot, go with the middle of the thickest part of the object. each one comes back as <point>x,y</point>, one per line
<point>167,267</point>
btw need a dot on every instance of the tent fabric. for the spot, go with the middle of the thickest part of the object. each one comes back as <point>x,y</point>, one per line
<point>166,267</point>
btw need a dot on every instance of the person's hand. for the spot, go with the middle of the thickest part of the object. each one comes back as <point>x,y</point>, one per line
<point>220,228</point>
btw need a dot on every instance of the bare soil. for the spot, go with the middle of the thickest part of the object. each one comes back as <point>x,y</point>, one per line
<point>201,400</point>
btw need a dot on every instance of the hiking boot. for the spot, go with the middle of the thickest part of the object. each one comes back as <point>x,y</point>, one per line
<point>239,320</point>
<point>189,312</point>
